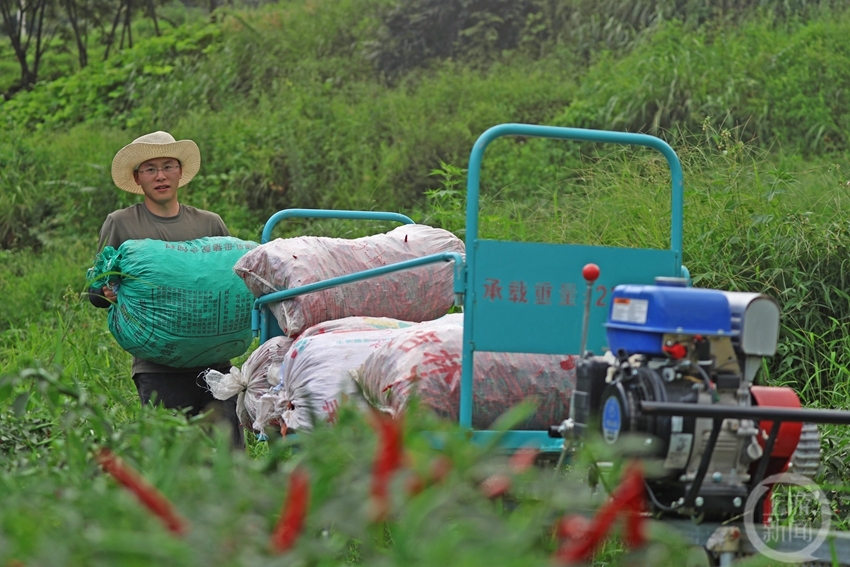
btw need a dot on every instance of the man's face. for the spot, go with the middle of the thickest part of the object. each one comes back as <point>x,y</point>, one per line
<point>159,179</point>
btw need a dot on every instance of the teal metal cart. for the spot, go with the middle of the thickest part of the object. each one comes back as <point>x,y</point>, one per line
<point>537,287</point>
<point>548,318</point>
<point>265,325</point>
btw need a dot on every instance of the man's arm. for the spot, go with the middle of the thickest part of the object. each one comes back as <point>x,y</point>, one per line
<point>104,297</point>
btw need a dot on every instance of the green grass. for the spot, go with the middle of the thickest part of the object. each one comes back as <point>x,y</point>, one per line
<point>66,390</point>
<point>289,111</point>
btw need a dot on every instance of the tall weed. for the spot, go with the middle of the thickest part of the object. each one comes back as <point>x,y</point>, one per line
<point>778,83</point>
<point>362,148</point>
<point>440,508</point>
<point>35,284</point>
<point>422,33</point>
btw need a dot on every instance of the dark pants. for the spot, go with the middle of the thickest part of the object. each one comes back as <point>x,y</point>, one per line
<point>187,390</point>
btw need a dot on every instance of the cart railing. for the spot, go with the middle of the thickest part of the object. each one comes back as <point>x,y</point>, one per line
<point>263,323</point>
<point>526,296</point>
<point>518,296</point>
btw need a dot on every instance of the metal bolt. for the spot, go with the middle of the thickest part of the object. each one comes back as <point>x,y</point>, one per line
<point>680,501</point>
<point>648,441</point>
<point>717,477</point>
<point>699,502</point>
<point>683,478</point>
<point>736,502</point>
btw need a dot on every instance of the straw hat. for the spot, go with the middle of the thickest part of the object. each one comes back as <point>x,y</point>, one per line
<point>152,146</point>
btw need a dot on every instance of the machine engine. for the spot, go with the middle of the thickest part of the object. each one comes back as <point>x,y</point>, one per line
<point>673,343</point>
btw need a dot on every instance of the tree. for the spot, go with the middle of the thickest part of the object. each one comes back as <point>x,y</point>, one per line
<point>126,9</point>
<point>79,15</point>
<point>418,31</point>
<point>30,26</point>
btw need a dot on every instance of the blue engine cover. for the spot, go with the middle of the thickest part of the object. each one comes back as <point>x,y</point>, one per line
<point>640,315</point>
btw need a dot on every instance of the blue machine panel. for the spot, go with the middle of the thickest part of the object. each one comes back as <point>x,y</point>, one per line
<point>640,315</point>
<point>529,297</point>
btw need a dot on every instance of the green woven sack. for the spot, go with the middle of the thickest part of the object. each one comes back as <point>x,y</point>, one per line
<point>179,303</point>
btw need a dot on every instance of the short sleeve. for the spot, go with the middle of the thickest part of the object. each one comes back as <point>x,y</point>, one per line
<point>221,226</point>
<point>109,235</point>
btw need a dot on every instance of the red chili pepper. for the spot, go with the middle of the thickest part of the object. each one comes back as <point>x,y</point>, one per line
<point>294,512</point>
<point>523,460</point>
<point>632,495</point>
<point>147,494</point>
<point>496,485</point>
<point>441,466</point>
<point>572,527</point>
<point>585,538</point>
<point>414,484</point>
<point>388,459</point>
<point>438,470</point>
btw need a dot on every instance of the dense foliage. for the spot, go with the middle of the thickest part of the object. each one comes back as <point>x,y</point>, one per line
<point>291,107</point>
<point>375,104</point>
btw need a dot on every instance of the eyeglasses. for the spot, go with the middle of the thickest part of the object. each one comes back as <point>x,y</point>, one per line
<point>151,171</point>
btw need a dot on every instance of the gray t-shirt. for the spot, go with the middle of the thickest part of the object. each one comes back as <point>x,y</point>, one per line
<point>137,223</point>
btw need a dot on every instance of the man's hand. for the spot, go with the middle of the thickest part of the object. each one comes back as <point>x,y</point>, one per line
<point>109,294</point>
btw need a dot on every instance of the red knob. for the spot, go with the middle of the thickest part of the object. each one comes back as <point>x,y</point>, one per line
<point>590,272</point>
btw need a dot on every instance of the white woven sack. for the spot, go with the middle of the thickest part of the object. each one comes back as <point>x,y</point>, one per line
<point>316,373</point>
<point>259,373</point>
<point>419,294</point>
<point>425,360</point>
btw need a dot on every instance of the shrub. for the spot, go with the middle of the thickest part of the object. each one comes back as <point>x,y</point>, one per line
<point>776,83</point>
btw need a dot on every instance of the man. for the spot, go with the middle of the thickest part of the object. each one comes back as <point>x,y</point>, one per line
<point>156,166</point>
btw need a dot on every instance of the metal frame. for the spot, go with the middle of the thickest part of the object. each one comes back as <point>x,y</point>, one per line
<point>717,413</point>
<point>645,264</point>
<point>262,323</point>
<point>488,336</point>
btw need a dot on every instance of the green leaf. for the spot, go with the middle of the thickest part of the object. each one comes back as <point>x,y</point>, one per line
<point>19,406</point>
